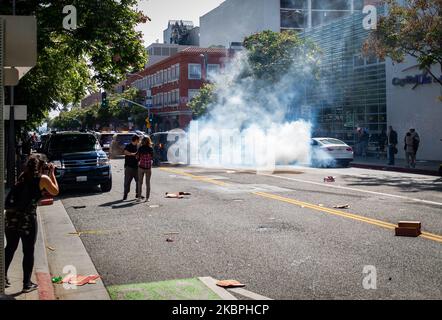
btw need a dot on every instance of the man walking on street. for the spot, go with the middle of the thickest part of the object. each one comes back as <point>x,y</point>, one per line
<point>392,142</point>
<point>411,142</point>
<point>416,142</point>
<point>130,165</point>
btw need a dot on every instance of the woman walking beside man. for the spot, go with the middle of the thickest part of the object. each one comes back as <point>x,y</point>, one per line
<point>145,158</point>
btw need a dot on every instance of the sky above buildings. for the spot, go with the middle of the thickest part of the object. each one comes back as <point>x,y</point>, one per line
<point>161,11</point>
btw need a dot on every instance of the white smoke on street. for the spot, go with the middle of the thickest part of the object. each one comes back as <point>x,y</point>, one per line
<point>255,123</point>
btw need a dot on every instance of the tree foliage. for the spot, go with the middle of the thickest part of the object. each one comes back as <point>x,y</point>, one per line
<point>199,104</point>
<point>116,114</point>
<point>269,57</point>
<point>272,54</point>
<point>71,63</point>
<point>414,28</point>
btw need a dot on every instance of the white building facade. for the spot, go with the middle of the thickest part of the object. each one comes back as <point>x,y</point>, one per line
<point>413,101</point>
<point>234,20</point>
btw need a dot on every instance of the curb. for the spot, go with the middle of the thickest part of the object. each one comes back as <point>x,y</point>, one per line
<point>69,255</point>
<point>395,169</point>
<point>41,266</point>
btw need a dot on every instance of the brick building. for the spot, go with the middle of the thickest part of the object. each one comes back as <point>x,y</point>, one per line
<point>171,83</point>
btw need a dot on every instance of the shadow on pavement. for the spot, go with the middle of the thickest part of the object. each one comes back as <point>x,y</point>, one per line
<point>405,184</point>
<point>79,192</point>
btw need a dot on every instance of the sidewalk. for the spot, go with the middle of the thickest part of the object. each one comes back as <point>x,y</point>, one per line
<point>422,167</point>
<point>56,250</point>
<point>40,273</point>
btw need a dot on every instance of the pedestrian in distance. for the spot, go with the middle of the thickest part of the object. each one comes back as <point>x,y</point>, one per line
<point>131,165</point>
<point>409,150</point>
<point>145,159</point>
<point>392,143</point>
<point>416,141</point>
<point>21,214</point>
<point>382,141</point>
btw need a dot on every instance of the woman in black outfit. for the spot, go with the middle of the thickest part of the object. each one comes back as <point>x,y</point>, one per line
<point>21,222</point>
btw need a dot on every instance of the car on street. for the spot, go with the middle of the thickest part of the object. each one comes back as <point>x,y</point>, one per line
<point>79,159</point>
<point>42,143</point>
<point>162,141</point>
<point>329,152</point>
<point>106,140</point>
<point>119,142</point>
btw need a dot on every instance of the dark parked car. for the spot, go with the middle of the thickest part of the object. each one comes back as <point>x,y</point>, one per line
<point>105,141</point>
<point>119,142</point>
<point>161,143</point>
<point>79,159</point>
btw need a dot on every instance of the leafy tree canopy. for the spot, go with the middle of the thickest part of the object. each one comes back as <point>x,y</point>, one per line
<point>71,63</point>
<point>413,28</point>
<point>117,113</point>
<point>272,54</point>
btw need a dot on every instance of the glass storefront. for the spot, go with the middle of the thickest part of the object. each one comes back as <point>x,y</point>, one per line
<point>352,89</point>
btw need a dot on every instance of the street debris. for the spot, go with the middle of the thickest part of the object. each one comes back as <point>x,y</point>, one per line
<point>78,207</point>
<point>169,240</point>
<point>56,279</point>
<point>342,206</point>
<point>408,229</point>
<point>154,206</point>
<point>177,195</point>
<point>230,284</point>
<point>80,233</point>
<point>168,233</point>
<point>174,195</point>
<point>46,202</point>
<point>320,205</point>
<point>80,280</point>
<point>329,179</point>
<point>50,248</point>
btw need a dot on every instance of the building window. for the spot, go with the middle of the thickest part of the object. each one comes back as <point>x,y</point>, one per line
<point>192,93</point>
<point>212,70</point>
<point>178,71</point>
<point>194,71</point>
<point>293,4</point>
<point>331,5</point>
<point>293,19</point>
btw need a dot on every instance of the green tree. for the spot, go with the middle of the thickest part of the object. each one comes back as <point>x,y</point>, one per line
<point>199,104</point>
<point>272,54</point>
<point>414,29</point>
<point>71,63</point>
<point>116,114</point>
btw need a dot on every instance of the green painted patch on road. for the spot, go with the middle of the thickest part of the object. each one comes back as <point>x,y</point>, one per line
<point>183,289</point>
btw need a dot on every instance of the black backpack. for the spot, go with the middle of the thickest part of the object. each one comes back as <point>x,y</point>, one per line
<point>21,197</point>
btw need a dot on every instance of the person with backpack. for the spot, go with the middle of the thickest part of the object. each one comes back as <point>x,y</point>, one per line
<point>145,158</point>
<point>21,214</point>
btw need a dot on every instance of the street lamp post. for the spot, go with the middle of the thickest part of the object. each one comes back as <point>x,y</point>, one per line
<point>148,108</point>
<point>204,75</point>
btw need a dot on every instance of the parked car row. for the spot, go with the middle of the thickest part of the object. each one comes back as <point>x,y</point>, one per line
<point>78,158</point>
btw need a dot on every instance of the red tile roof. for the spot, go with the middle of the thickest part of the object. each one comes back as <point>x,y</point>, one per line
<point>204,50</point>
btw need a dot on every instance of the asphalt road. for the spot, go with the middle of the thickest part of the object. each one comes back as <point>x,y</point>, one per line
<point>278,234</point>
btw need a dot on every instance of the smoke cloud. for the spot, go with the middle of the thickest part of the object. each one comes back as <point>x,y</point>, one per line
<point>255,123</point>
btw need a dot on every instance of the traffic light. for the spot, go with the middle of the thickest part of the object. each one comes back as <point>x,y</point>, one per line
<point>104,99</point>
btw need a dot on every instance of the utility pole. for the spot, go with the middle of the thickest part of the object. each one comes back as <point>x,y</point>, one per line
<point>10,179</point>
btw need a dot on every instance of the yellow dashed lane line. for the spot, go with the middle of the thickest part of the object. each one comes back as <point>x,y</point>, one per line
<point>302,204</point>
